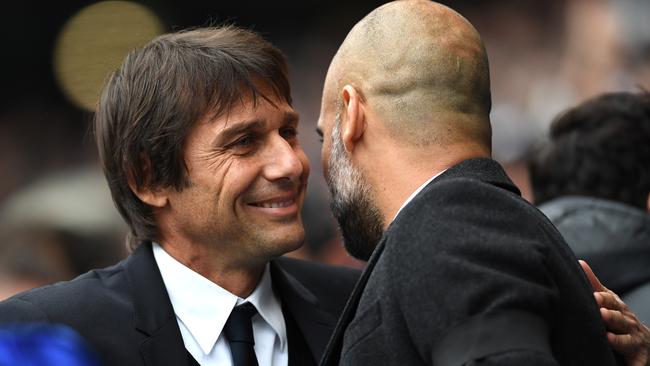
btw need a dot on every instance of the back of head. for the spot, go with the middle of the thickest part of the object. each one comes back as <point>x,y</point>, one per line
<point>160,92</point>
<point>422,67</point>
<point>600,149</point>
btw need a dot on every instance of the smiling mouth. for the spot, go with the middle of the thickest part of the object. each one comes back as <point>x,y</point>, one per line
<point>277,204</point>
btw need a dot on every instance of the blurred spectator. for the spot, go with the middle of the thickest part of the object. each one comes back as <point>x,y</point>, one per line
<point>56,228</point>
<point>38,255</point>
<point>44,345</point>
<point>592,179</point>
<point>30,257</point>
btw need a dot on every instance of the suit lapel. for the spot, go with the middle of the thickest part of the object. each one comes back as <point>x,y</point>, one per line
<point>153,312</point>
<point>333,351</point>
<point>316,324</point>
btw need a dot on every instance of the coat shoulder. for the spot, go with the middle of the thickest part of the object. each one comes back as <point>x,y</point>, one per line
<point>332,284</point>
<point>68,301</point>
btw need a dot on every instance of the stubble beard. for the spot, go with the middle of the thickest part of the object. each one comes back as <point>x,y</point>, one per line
<point>352,201</point>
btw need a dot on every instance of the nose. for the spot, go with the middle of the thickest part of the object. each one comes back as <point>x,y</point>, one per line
<point>286,161</point>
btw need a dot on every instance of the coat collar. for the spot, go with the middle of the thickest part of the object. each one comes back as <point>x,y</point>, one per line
<point>332,354</point>
<point>153,314</point>
<point>315,323</point>
<point>483,169</point>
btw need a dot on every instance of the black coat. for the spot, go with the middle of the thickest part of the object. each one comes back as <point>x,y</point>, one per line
<point>126,315</point>
<point>470,272</point>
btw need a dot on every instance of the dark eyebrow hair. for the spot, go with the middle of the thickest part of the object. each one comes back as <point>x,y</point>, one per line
<point>291,117</point>
<point>237,128</point>
<point>319,131</point>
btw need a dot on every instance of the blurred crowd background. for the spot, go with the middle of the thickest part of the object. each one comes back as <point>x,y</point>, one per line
<point>57,219</point>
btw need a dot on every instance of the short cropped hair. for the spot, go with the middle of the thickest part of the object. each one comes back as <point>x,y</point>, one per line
<point>600,149</point>
<point>149,105</point>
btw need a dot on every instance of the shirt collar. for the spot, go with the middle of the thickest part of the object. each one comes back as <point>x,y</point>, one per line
<point>415,193</point>
<point>203,306</point>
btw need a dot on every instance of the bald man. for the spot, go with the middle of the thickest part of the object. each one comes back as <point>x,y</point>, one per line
<point>461,270</point>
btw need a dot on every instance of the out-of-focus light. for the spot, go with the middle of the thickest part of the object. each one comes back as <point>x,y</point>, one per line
<point>95,41</point>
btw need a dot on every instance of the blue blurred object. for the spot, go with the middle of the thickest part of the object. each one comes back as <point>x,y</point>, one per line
<point>29,344</point>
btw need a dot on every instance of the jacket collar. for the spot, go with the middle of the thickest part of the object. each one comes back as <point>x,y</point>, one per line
<point>483,169</point>
<point>315,323</point>
<point>332,354</point>
<point>153,314</point>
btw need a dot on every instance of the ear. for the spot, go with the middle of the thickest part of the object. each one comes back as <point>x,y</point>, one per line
<point>353,124</point>
<point>152,197</point>
<point>156,197</point>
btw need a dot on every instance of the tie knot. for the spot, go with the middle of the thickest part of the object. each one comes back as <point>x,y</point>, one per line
<point>239,327</point>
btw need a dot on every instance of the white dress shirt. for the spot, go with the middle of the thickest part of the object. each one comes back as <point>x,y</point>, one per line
<point>415,193</point>
<point>202,308</point>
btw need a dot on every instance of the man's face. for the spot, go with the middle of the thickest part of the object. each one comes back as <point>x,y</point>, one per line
<point>352,201</point>
<point>248,178</point>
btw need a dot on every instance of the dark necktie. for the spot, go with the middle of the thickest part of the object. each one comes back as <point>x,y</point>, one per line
<point>239,333</point>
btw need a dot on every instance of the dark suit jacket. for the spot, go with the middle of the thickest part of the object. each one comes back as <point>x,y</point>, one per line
<point>470,273</point>
<point>125,313</point>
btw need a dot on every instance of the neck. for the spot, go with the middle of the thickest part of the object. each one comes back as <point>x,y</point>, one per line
<point>237,278</point>
<point>396,175</point>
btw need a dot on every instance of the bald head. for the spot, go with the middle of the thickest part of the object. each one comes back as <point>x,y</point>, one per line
<point>422,67</point>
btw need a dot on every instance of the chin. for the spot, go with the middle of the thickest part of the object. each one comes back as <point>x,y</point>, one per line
<point>287,241</point>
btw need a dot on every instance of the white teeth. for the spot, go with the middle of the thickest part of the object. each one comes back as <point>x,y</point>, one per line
<point>276,204</point>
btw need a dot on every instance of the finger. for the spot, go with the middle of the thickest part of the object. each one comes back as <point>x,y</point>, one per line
<point>595,283</point>
<point>609,300</point>
<point>617,322</point>
<point>623,343</point>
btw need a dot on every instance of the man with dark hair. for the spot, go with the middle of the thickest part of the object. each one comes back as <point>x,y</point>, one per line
<point>592,179</point>
<point>198,140</point>
<point>461,269</point>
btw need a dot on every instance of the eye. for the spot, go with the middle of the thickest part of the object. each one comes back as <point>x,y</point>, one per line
<point>243,141</point>
<point>289,133</point>
<point>320,135</point>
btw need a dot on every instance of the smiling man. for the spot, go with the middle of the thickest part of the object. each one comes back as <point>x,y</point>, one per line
<point>198,140</point>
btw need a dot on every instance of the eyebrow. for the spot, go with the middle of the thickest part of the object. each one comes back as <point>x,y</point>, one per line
<point>291,117</point>
<point>238,128</point>
<point>319,131</point>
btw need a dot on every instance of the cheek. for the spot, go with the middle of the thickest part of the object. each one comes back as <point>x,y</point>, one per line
<point>236,180</point>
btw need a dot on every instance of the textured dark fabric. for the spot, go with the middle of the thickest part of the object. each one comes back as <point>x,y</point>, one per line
<point>125,314</point>
<point>473,339</point>
<point>239,333</point>
<point>614,238</point>
<point>468,245</point>
<point>299,353</point>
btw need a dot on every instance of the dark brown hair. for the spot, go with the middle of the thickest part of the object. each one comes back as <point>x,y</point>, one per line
<point>160,92</point>
<point>600,148</point>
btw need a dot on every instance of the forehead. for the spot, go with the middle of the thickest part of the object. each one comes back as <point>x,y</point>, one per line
<point>264,101</point>
<point>261,111</point>
<point>328,102</point>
